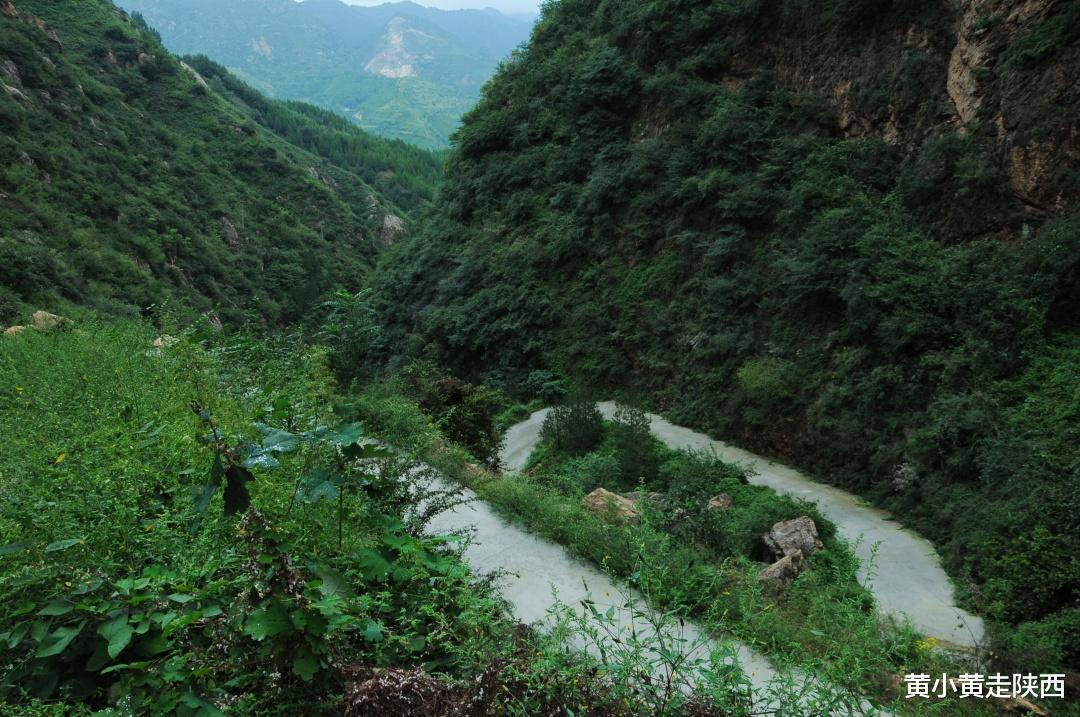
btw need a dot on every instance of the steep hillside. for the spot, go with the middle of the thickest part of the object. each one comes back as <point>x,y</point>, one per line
<point>398,69</point>
<point>843,233</point>
<point>127,179</point>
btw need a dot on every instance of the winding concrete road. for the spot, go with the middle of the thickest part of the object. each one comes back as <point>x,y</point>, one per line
<point>906,578</point>
<point>538,575</point>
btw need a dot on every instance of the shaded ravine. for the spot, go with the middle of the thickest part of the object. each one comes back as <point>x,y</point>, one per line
<point>906,578</point>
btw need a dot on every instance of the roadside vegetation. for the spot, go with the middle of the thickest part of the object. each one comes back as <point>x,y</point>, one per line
<point>696,562</point>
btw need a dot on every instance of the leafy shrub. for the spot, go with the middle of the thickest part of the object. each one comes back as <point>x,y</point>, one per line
<point>694,477</point>
<point>10,306</point>
<point>767,379</point>
<point>547,386</point>
<point>585,473</point>
<point>350,328</point>
<point>1038,646</point>
<point>635,446</point>
<point>465,413</point>
<point>574,428</point>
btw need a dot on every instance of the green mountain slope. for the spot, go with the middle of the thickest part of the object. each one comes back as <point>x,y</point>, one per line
<point>399,70</point>
<point>128,179</point>
<point>846,234</point>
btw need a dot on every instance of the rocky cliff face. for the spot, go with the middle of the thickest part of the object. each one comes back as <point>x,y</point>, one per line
<point>400,52</point>
<point>1002,72</point>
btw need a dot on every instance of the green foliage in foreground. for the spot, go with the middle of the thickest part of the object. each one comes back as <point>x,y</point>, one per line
<point>892,319</point>
<point>126,180</point>
<point>124,582</point>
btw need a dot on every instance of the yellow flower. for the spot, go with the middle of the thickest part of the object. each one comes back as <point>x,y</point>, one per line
<point>60,459</point>
<point>926,645</point>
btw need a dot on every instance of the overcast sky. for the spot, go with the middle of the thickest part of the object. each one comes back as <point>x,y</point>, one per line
<point>507,6</point>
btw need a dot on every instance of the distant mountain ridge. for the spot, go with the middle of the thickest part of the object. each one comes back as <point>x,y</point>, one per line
<point>401,70</point>
<point>130,179</point>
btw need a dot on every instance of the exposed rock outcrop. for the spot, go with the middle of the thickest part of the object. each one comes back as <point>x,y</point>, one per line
<point>604,502</point>
<point>44,321</point>
<point>393,228</point>
<point>1020,707</point>
<point>722,501</point>
<point>783,572</point>
<point>40,321</point>
<point>232,237</point>
<point>990,69</point>
<point>970,54</point>
<point>793,536</point>
<point>8,8</point>
<point>10,71</point>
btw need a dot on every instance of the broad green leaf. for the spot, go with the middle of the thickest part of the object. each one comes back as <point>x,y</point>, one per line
<point>156,644</point>
<point>62,544</point>
<point>267,622</point>
<point>89,586</point>
<point>202,500</point>
<point>281,407</point>
<point>261,459</point>
<point>375,566</point>
<point>18,634</point>
<point>372,631</point>
<point>319,484</point>
<point>126,666</point>
<point>57,607</point>
<point>276,440</point>
<point>12,548</point>
<point>333,583</point>
<point>117,632</point>
<point>59,639</point>
<point>305,665</point>
<point>99,658</point>
<point>366,451</point>
<point>346,434</point>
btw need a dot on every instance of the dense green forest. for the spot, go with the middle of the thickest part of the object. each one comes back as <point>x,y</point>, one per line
<point>813,230</point>
<point>129,180</point>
